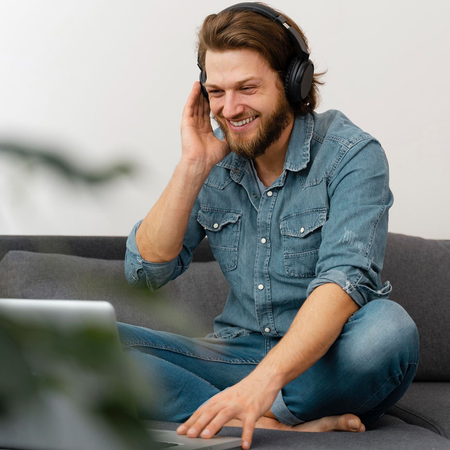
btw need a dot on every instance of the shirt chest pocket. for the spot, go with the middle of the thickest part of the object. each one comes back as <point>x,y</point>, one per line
<point>302,236</point>
<point>222,228</point>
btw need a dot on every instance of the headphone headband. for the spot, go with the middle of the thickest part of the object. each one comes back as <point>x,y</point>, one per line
<point>278,18</point>
<point>300,70</point>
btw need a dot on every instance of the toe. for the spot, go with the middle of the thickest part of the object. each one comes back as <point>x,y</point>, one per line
<point>350,422</point>
<point>332,423</point>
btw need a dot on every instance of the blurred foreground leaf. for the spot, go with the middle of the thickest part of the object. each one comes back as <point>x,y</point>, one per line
<point>36,155</point>
<point>83,365</point>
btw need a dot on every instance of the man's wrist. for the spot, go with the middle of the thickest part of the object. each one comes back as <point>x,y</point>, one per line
<point>268,378</point>
<point>198,169</point>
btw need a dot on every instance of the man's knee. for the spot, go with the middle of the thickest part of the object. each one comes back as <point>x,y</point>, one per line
<point>131,334</point>
<point>370,358</point>
<point>386,333</point>
<point>392,324</point>
<point>126,332</point>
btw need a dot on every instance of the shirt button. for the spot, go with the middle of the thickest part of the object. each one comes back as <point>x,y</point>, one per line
<point>267,330</point>
<point>269,193</point>
<point>260,287</point>
<point>216,225</point>
<point>263,240</point>
<point>302,230</point>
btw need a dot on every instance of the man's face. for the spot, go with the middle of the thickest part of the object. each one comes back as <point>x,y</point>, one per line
<point>247,100</point>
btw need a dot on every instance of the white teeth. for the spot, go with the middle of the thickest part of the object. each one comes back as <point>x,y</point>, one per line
<point>242,122</point>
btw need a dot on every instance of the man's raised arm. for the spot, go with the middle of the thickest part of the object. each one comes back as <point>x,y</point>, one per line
<point>160,236</point>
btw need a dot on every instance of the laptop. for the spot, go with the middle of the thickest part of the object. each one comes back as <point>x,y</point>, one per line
<point>59,425</point>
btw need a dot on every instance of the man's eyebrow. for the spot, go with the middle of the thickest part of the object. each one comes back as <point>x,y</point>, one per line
<point>237,83</point>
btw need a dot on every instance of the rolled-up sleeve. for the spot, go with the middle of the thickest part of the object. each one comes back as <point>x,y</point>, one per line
<point>141,273</point>
<point>354,236</point>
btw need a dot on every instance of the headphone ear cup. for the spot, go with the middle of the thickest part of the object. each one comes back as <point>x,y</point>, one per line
<point>202,79</point>
<point>299,78</point>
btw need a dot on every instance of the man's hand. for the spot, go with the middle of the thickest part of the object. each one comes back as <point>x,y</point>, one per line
<point>247,401</point>
<point>199,145</point>
<point>160,237</point>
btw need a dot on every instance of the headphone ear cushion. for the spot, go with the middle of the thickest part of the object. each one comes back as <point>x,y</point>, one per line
<point>202,79</point>
<point>298,80</point>
<point>287,78</point>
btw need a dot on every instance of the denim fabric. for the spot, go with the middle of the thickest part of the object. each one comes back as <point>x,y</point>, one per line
<point>365,372</point>
<point>323,220</point>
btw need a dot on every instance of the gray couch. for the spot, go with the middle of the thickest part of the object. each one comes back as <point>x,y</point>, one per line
<point>59,267</point>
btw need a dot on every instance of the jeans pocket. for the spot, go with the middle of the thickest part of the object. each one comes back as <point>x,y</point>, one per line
<point>222,228</point>
<point>302,236</point>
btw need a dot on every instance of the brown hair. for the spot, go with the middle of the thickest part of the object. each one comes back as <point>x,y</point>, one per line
<point>231,30</point>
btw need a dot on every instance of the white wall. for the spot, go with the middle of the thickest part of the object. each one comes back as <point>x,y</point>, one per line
<point>103,81</point>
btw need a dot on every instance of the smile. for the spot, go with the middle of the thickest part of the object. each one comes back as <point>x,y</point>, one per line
<point>243,122</point>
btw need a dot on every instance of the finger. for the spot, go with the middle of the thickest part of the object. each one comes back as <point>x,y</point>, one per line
<point>248,428</point>
<point>215,425</point>
<point>195,424</point>
<point>204,420</point>
<point>206,108</point>
<point>197,100</point>
<point>201,106</point>
<point>183,428</point>
<point>205,102</point>
<point>192,101</point>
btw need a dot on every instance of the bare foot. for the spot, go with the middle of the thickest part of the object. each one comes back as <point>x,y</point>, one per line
<point>329,423</point>
<point>332,423</point>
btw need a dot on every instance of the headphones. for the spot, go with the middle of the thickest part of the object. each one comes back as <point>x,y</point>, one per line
<point>300,70</point>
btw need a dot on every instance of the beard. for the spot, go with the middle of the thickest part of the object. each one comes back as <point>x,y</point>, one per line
<point>269,130</point>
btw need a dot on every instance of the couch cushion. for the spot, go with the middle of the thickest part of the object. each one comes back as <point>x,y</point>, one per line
<point>426,404</point>
<point>183,306</point>
<point>387,433</point>
<point>419,271</point>
<point>415,281</point>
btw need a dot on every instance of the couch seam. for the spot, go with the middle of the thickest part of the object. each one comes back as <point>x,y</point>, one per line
<point>439,430</point>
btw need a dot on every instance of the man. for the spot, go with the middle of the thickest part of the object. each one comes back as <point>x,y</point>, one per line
<point>295,206</point>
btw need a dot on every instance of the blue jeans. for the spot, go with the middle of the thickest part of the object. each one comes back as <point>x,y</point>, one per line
<point>366,370</point>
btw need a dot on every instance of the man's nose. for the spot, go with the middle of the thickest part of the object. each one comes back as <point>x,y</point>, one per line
<point>232,106</point>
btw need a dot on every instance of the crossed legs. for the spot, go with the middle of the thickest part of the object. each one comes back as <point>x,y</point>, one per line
<point>364,373</point>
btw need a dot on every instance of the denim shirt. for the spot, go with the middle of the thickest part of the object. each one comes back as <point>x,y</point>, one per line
<point>324,220</point>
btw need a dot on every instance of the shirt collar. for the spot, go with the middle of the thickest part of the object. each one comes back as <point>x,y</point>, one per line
<point>297,155</point>
<point>298,152</point>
